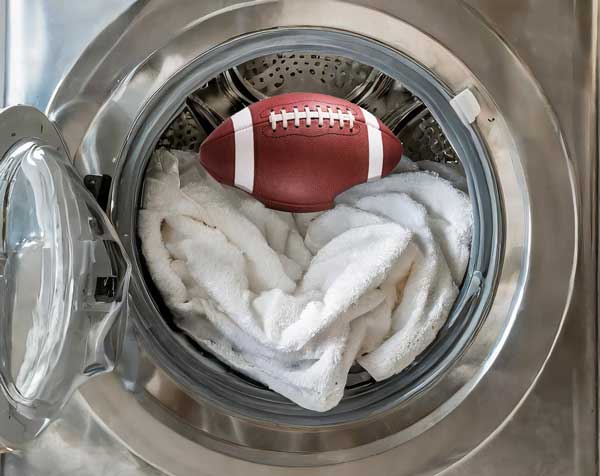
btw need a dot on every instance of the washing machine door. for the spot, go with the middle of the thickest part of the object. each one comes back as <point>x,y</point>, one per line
<point>64,278</point>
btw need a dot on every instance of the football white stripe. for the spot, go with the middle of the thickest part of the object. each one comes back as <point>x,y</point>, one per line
<point>375,145</point>
<point>244,150</point>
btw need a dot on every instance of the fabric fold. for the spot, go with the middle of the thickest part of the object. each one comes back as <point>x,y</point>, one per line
<point>294,300</point>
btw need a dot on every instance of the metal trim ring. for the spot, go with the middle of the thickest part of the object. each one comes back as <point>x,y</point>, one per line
<point>513,343</point>
<point>197,374</point>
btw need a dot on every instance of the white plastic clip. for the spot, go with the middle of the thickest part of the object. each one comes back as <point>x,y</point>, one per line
<point>466,106</point>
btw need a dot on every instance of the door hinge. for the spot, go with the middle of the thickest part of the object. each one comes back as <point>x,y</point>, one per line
<point>99,186</point>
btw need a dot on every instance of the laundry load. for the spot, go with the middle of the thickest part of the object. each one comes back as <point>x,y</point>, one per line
<point>294,300</point>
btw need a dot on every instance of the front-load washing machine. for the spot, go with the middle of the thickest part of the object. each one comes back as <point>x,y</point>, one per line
<point>95,377</point>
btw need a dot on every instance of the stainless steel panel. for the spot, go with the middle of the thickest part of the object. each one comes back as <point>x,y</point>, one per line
<point>45,38</point>
<point>554,430</point>
<point>77,445</point>
<point>512,89</point>
<point>3,35</point>
<point>427,428</point>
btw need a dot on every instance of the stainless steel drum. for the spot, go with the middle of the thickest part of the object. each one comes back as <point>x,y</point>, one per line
<point>253,80</point>
<point>164,76</point>
<point>364,397</point>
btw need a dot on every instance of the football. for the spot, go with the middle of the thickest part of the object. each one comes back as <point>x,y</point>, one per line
<point>296,152</point>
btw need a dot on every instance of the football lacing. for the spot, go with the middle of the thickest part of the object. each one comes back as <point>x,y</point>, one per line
<point>308,115</point>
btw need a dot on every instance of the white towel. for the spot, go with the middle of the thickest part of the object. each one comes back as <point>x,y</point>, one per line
<point>294,300</point>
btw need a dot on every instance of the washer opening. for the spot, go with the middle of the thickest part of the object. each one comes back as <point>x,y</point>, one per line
<point>414,105</point>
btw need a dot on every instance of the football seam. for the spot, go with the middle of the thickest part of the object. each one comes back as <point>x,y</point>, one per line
<point>292,133</point>
<point>320,205</point>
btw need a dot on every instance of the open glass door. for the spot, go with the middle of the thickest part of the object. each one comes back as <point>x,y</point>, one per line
<point>64,278</point>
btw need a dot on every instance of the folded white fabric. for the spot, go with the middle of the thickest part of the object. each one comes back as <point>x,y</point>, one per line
<point>294,300</point>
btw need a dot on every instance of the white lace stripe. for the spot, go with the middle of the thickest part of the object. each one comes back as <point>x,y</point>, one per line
<point>320,116</point>
<point>307,115</point>
<point>244,150</point>
<point>351,118</point>
<point>375,146</point>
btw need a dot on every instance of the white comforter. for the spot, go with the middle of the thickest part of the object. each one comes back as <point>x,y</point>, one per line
<point>294,300</point>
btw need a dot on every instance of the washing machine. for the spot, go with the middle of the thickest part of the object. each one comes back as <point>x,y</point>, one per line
<point>95,378</point>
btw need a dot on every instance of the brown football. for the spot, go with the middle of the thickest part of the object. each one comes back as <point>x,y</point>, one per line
<point>296,152</point>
